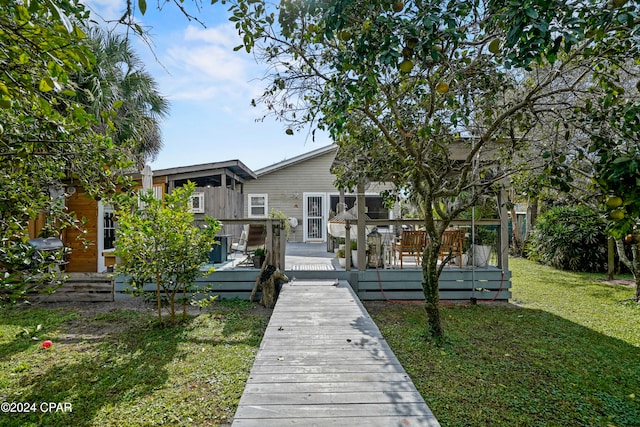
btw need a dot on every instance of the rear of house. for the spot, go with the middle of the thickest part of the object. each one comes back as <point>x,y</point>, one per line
<point>303,188</point>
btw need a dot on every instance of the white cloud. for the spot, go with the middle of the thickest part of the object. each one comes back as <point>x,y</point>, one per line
<point>106,9</point>
<point>203,66</point>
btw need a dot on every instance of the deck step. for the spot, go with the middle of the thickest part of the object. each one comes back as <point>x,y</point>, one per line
<point>81,287</point>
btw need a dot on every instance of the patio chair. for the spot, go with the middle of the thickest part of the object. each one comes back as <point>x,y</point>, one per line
<point>451,244</point>
<point>411,243</point>
<point>253,237</point>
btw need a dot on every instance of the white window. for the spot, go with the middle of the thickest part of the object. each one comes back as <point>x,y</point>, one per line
<point>197,203</point>
<point>258,205</point>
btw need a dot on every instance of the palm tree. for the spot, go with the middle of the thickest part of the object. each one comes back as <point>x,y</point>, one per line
<point>123,96</point>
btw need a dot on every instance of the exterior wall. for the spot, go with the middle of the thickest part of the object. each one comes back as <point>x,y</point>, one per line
<point>286,187</point>
<point>221,203</point>
<point>83,259</point>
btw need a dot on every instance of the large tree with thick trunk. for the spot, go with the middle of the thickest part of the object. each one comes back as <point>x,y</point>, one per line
<point>439,97</point>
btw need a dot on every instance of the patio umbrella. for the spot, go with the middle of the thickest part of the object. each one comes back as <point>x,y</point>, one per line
<point>147,178</point>
<point>336,225</point>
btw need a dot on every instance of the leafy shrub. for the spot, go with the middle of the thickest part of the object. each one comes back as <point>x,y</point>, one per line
<point>570,238</point>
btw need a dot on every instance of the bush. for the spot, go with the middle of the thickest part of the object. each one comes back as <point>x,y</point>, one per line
<point>570,238</point>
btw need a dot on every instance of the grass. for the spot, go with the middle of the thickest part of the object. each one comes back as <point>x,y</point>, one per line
<point>120,368</point>
<point>568,355</point>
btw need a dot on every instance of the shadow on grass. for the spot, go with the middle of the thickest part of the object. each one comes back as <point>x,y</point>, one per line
<point>512,366</point>
<point>120,368</point>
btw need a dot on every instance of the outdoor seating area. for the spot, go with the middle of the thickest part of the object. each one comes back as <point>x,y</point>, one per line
<point>464,276</point>
<point>410,243</point>
<point>413,242</point>
<point>252,239</point>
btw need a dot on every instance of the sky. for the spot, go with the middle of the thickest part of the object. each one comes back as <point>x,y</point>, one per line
<point>209,87</point>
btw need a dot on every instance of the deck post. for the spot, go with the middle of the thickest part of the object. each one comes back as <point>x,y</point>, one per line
<point>347,246</point>
<point>362,227</point>
<point>269,242</point>
<point>503,235</point>
<point>283,245</point>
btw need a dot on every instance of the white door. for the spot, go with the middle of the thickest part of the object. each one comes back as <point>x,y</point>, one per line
<point>315,217</point>
<point>106,232</point>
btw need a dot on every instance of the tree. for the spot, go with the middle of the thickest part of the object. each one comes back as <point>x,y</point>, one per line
<point>122,95</point>
<point>439,88</point>
<point>157,241</point>
<point>617,175</point>
<point>73,109</point>
<point>45,137</point>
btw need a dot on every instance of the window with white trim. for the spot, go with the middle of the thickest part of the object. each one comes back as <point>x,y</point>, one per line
<point>197,203</point>
<point>258,205</point>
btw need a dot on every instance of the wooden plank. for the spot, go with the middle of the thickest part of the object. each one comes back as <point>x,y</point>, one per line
<point>337,410</point>
<point>334,397</point>
<point>75,297</point>
<point>405,421</point>
<point>93,287</point>
<point>455,274</point>
<point>316,369</point>
<point>449,285</point>
<point>462,295</point>
<point>326,387</point>
<point>342,359</point>
<point>396,284</point>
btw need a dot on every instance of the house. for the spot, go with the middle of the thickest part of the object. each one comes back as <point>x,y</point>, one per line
<point>303,188</point>
<point>219,193</point>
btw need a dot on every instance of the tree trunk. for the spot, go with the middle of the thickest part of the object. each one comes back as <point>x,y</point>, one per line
<point>517,239</point>
<point>430,287</point>
<point>173,307</point>
<point>269,294</point>
<point>184,303</point>
<point>158,297</point>
<point>532,216</point>
<point>633,264</point>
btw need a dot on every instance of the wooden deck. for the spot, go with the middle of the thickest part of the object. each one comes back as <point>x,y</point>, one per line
<point>323,362</point>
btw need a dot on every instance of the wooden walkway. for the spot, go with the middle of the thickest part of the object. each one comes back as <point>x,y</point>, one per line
<point>323,362</point>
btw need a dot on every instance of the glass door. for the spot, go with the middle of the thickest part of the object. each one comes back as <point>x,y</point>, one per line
<point>314,217</point>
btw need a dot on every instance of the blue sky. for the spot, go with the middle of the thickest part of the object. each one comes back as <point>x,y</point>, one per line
<point>210,88</point>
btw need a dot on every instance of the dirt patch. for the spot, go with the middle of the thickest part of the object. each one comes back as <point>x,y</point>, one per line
<point>85,329</point>
<point>620,282</point>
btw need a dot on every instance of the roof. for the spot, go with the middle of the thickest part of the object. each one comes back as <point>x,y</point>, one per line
<point>235,166</point>
<point>295,160</point>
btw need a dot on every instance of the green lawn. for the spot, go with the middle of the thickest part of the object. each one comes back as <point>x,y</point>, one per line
<point>568,356</point>
<point>119,368</point>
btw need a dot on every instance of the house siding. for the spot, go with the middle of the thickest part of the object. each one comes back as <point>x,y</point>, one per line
<point>81,258</point>
<point>286,187</point>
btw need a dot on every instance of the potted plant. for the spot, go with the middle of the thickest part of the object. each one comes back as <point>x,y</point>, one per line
<point>354,253</point>
<point>258,258</point>
<point>340,253</point>
<point>483,241</point>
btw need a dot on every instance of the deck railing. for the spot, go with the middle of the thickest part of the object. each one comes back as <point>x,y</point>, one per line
<point>501,243</point>
<point>275,240</point>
